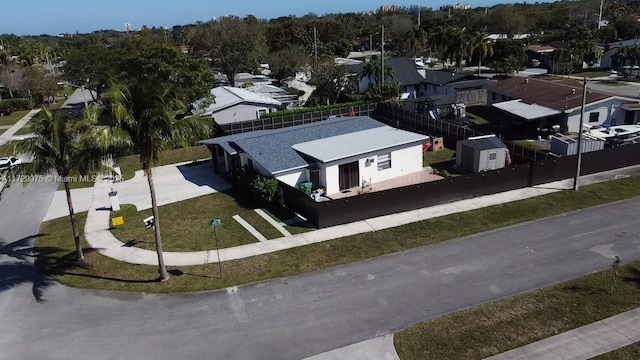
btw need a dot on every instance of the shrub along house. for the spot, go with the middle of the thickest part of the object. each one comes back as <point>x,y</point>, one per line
<point>536,105</point>
<point>333,155</point>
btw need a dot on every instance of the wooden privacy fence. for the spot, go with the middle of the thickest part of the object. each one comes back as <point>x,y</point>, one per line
<point>374,204</point>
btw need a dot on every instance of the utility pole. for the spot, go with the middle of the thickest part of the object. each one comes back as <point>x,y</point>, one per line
<point>382,58</point>
<point>315,44</point>
<point>419,16</point>
<point>576,186</point>
<point>600,17</point>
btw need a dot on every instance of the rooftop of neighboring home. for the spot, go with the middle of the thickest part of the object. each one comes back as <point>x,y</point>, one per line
<point>443,77</point>
<point>558,95</point>
<point>227,96</point>
<point>471,84</point>
<point>405,71</point>
<point>540,48</point>
<point>297,147</point>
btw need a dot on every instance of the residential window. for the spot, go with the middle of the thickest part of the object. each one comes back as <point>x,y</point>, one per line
<point>250,164</point>
<point>384,162</point>
<point>261,112</point>
<point>594,117</point>
<point>493,156</point>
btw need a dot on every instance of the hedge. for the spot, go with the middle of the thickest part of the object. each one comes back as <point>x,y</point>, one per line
<point>17,104</point>
<point>310,109</point>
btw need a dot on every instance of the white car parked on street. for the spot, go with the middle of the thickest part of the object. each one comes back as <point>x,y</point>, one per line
<point>9,162</point>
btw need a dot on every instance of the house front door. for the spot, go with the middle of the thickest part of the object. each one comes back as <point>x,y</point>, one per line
<point>349,175</point>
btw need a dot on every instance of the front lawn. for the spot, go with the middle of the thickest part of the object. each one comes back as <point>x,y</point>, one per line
<point>503,325</point>
<point>13,118</point>
<point>108,274</point>
<point>184,225</point>
<point>25,130</point>
<point>529,144</point>
<point>130,164</point>
<point>592,74</point>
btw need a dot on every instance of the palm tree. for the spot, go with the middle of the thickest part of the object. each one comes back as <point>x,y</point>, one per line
<point>456,44</point>
<point>69,148</point>
<point>481,42</point>
<point>416,41</point>
<point>373,71</point>
<point>147,112</point>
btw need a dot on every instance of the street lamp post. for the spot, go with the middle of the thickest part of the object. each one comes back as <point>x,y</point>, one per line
<point>576,185</point>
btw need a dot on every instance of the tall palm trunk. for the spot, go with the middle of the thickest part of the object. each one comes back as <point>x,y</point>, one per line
<point>480,64</point>
<point>162,270</point>
<point>74,223</point>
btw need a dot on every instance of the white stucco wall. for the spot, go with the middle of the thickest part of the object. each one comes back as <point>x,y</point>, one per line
<point>404,160</point>
<point>243,112</point>
<point>483,162</point>
<point>611,113</point>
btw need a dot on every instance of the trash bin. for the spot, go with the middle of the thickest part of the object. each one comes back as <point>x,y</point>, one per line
<point>306,187</point>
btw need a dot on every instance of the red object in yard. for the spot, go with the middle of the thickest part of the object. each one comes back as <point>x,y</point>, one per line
<point>6,111</point>
<point>426,147</point>
<point>353,112</point>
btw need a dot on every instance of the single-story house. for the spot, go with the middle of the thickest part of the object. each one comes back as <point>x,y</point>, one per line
<point>482,153</point>
<point>611,58</point>
<point>443,82</point>
<point>334,155</point>
<point>405,73</point>
<point>235,105</point>
<point>288,100</point>
<point>540,104</point>
<point>540,52</point>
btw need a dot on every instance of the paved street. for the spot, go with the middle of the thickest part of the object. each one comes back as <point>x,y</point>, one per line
<point>298,317</point>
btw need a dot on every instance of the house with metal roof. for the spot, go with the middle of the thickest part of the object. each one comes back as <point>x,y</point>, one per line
<point>233,104</point>
<point>333,155</point>
<point>541,104</point>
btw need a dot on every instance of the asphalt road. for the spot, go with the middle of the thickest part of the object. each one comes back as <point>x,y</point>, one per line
<point>298,317</point>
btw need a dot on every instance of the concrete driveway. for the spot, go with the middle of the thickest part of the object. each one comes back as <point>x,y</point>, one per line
<point>174,183</point>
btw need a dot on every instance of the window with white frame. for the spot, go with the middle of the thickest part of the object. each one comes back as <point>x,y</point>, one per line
<point>384,162</point>
<point>261,112</point>
<point>493,156</point>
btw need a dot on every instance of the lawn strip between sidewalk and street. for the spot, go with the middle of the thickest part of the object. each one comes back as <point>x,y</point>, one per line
<point>104,273</point>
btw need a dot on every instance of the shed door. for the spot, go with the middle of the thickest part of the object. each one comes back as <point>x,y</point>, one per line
<point>349,175</point>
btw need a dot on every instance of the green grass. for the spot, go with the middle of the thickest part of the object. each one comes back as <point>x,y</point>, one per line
<point>503,325</point>
<point>435,157</point>
<point>631,352</point>
<point>591,74</point>
<point>4,150</point>
<point>478,120</point>
<point>528,144</point>
<point>13,118</point>
<point>184,225</point>
<point>26,129</point>
<point>104,273</point>
<point>612,83</point>
<point>130,164</point>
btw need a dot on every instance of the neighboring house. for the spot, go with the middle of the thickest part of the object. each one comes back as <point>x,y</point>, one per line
<point>243,78</point>
<point>405,73</point>
<point>334,155</point>
<point>288,100</point>
<point>539,104</point>
<point>611,59</point>
<point>541,53</point>
<point>235,104</point>
<point>442,82</point>
<point>495,37</point>
<point>482,153</point>
<point>295,84</point>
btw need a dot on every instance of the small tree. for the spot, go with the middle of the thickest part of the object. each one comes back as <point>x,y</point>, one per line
<point>615,267</point>
<point>264,189</point>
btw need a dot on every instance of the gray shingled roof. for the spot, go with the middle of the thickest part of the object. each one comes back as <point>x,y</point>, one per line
<point>405,70</point>
<point>272,149</point>
<point>443,77</point>
<point>485,143</point>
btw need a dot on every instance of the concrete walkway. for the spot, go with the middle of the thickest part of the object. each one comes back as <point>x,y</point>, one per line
<point>380,348</point>
<point>582,343</point>
<point>6,136</point>
<point>174,183</point>
<point>99,237</point>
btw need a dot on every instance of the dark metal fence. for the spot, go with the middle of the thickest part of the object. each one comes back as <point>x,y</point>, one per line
<point>295,119</point>
<point>342,211</point>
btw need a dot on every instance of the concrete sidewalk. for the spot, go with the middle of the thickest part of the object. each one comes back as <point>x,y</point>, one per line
<point>582,343</point>
<point>6,136</point>
<point>380,348</point>
<point>99,237</point>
